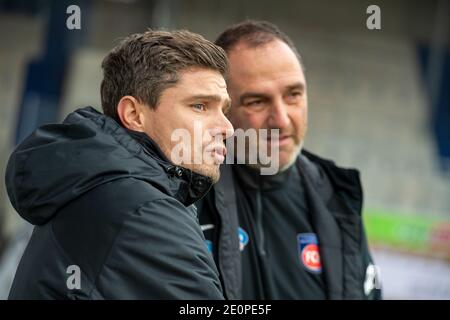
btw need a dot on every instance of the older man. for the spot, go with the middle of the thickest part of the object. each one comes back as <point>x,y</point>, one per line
<point>297,234</point>
<point>110,199</point>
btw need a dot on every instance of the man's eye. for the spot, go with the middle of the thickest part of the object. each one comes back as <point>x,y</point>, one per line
<point>253,103</point>
<point>198,107</point>
<point>294,96</point>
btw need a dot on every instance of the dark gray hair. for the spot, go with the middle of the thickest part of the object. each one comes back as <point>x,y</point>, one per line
<point>254,33</point>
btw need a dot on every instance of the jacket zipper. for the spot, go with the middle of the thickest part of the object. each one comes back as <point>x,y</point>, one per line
<point>259,224</point>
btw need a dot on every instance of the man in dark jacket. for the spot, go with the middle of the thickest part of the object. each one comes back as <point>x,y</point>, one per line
<point>297,234</point>
<point>111,204</point>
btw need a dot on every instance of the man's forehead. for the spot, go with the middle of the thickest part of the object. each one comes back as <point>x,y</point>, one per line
<point>269,62</point>
<point>267,81</point>
<point>201,75</point>
<point>275,48</point>
<point>201,82</point>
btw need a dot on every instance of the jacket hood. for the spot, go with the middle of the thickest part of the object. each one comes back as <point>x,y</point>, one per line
<point>59,162</point>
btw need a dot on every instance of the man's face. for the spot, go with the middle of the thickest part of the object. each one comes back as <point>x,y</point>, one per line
<point>189,123</point>
<point>268,90</point>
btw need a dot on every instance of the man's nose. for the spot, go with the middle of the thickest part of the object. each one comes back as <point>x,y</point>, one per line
<point>278,117</point>
<point>223,127</point>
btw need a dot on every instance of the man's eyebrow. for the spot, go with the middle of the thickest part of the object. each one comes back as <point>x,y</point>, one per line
<point>211,97</point>
<point>249,95</point>
<point>298,85</point>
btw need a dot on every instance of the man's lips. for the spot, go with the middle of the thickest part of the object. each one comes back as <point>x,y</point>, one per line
<point>218,153</point>
<point>281,140</point>
<point>220,150</point>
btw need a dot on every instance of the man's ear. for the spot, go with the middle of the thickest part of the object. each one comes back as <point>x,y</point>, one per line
<point>131,114</point>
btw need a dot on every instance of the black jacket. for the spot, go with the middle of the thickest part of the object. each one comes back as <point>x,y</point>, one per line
<point>334,197</point>
<point>107,201</point>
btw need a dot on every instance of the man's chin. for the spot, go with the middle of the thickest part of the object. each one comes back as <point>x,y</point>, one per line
<point>286,160</point>
<point>290,159</point>
<point>210,171</point>
<point>213,174</point>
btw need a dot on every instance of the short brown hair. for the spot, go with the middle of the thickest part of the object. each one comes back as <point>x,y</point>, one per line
<point>143,65</point>
<point>254,33</point>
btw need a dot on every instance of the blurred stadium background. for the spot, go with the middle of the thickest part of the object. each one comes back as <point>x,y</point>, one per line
<point>379,101</point>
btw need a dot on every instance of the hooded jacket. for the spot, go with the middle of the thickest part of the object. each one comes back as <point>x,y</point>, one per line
<point>335,198</point>
<point>113,217</point>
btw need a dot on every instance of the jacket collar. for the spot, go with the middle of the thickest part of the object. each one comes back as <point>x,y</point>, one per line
<point>189,186</point>
<point>335,198</point>
<point>252,178</point>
